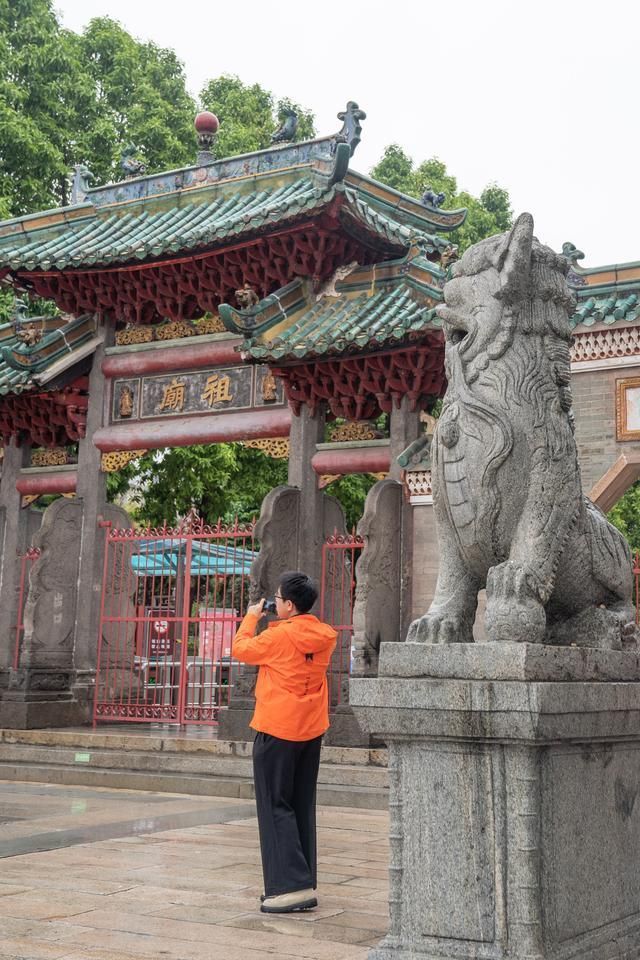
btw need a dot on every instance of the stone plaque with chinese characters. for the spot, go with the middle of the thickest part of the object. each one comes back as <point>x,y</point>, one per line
<point>194,392</point>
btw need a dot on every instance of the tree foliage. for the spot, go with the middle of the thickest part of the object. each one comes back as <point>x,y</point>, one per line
<point>486,215</point>
<point>68,98</point>
<point>625,515</point>
<point>222,481</point>
<point>248,115</point>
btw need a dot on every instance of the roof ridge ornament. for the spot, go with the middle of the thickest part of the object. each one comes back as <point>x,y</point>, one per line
<point>431,199</point>
<point>130,164</point>
<point>351,126</point>
<point>207,125</point>
<point>288,128</point>
<point>571,253</point>
<point>80,183</point>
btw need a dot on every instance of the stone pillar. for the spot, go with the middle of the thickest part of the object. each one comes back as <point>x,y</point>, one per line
<point>14,539</point>
<point>404,428</point>
<point>39,691</point>
<point>515,825</point>
<point>91,492</point>
<point>306,433</point>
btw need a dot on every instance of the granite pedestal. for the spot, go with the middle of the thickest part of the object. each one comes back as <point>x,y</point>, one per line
<point>515,821</point>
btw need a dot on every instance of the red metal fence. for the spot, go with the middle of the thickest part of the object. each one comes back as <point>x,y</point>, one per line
<point>172,599</point>
<point>26,562</point>
<point>340,554</point>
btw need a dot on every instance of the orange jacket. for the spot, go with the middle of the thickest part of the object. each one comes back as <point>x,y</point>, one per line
<point>292,700</point>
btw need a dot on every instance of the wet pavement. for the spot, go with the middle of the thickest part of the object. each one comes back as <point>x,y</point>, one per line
<point>100,874</point>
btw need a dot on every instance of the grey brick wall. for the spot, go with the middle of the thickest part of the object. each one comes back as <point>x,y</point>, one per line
<point>594,407</point>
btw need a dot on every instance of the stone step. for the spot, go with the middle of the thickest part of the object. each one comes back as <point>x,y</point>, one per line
<point>152,740</point>
<point>178,764</point>
<point>198,764</point>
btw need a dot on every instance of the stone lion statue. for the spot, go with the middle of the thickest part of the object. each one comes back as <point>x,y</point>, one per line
<point>508,498</point>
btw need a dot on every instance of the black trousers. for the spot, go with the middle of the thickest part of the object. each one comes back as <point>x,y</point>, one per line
<point>285,773</point>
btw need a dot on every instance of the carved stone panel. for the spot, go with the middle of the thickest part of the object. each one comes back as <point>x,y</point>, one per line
<point>600,780</point>
<point>452,794</point>
<point>377,610</point>
<point>50,610</point>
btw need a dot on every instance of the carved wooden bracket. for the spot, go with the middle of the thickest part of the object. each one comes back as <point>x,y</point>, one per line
<point>117,459</point>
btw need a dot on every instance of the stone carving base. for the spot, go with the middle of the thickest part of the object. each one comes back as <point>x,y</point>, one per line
<point>32,711</point>
<point>515,818</point>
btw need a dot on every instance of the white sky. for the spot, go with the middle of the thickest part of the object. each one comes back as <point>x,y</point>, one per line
<point>540,97</point>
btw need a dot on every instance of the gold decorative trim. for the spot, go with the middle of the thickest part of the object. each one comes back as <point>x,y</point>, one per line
<point>29,498</point>
<point>327,478</point>
<point>117,459</point>
<point>174,330</point>
<point>125,338</point>
<point>55,457</point>
<point>354,430</point>
<point>275,447</point>
<point>210,325</point>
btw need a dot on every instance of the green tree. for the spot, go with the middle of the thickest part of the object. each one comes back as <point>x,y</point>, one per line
<point>352,492</point>
<point>486,215</point>
<point>222,481</point>
<point>625,515</point>
<point>248,115</point>
<point>67,98</point>
<point>140,97</point>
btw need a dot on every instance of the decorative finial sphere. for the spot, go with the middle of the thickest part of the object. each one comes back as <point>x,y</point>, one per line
<point>206,122</point>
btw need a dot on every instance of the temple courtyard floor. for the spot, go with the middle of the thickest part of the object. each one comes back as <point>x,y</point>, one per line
<point>92,873</point>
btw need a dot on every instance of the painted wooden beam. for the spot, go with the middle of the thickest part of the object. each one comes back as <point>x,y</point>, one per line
<point>616,481</point>
<point>158,358</point>
<point>352,460</point>
<point>184,431</point>
<point>38,484</point>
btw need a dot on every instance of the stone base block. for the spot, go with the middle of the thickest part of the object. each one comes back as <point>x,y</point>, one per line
<point>233,723</point>
<point>515,818</point>
<point>20,714</point>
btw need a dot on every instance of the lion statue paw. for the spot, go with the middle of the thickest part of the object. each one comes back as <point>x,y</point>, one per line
<point>441,626</point>
<point>514,610</point>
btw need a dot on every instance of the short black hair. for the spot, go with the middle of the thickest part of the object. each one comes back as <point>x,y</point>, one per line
<point>300,589</point>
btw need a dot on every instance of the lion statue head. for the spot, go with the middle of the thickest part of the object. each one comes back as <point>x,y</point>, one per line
<point>505,285</point>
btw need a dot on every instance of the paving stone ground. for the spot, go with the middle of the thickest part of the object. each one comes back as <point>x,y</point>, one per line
<point>101,874</point>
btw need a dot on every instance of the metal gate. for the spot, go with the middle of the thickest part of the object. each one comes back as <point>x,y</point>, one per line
<point>340,554</point>
<point>172,599</point>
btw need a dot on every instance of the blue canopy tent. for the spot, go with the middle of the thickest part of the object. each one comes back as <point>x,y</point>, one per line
<point>166,558</point>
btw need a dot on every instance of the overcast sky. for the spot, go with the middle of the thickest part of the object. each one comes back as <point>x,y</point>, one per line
<point>542,98</point>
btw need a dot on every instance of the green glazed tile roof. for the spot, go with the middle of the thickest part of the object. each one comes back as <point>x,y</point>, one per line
<point>376,306</point>
<point>128,231</point>
<point>608,310</point>
<point>63,343</point>
<point>118,237</point>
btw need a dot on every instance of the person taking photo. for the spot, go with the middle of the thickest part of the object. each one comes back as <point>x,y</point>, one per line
<point>290,718</point>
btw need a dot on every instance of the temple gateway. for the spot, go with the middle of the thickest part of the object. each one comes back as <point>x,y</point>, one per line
<point>282,300</point>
